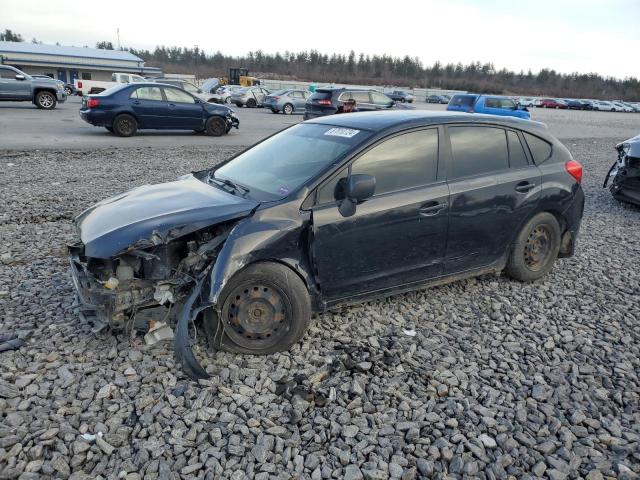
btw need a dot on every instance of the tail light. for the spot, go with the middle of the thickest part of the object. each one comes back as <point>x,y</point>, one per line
<point>324,102</point>
<point>276,98</point>
<point>574,169</point>
<point>93,102</point>
<point>79,84</point>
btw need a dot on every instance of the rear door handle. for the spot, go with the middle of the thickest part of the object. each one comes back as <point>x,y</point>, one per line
<point>432,208</point>
<point>524,187</point>
<point>172,104</point>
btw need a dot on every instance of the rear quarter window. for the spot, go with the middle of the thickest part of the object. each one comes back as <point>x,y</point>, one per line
<point>463,100</point>
<point>540,149</point>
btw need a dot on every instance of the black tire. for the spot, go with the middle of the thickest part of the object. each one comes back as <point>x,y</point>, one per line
<point>227,100</point>
<point>215,127</point>
<point>273,110</point>
<point>124,125</point>
<point>268,289</point>
<point>46,100</point>
<point>251,103</point>
<point>288,109</point>
<point>402,100</point>
<point>238,104</point>
<point>535,249</point>
<point>68,91</point>
<point>110,129</point>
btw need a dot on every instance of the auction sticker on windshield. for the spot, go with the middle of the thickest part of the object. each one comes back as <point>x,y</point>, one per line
<point>342,132</point>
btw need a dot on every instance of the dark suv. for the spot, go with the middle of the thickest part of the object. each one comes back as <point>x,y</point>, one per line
<point>329,101</point>
<point>327,212</point>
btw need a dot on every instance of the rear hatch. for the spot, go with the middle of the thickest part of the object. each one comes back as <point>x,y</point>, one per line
<point>462,103</point>
<point>321,103</point>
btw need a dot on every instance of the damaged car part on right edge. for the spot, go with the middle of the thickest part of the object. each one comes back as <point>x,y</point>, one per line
<point>623,177</point>
<point>328,212</point>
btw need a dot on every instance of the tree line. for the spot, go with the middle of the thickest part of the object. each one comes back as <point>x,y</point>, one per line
<point>382,70</point>
<point>388,70</point>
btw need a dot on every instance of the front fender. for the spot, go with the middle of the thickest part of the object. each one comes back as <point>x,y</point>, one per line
<point>263,237</point>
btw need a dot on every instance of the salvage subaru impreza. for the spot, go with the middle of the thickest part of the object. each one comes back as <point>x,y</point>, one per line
<point>327,212</point>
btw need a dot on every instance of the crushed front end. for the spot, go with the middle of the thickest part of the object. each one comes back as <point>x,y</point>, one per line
<point>144,282</point>
<point>623,177</point>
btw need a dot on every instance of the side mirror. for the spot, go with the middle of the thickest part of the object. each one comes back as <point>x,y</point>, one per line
<point>20,77</point>
<point>356,189</point>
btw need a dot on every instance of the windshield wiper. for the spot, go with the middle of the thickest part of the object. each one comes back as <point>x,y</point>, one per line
<point>228,183</point>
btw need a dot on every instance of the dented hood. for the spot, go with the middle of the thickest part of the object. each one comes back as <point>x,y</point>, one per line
<point>164,211</point>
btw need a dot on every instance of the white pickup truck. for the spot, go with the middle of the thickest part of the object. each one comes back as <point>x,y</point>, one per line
<point>87,87</point>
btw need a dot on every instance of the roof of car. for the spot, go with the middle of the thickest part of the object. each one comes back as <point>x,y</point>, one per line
<point>377,121</point>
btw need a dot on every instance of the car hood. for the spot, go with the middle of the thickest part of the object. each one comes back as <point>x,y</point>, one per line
<point>634,146</point>
<point>153,214</point>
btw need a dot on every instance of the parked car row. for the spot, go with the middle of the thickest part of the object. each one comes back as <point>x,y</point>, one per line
<point>580,104</point>
<point>488,104</point>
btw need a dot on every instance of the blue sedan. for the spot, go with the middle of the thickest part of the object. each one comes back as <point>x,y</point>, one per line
<point>126,108</point>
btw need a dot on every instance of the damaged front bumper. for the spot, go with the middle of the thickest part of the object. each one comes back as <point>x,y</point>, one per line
<point>114,302</point>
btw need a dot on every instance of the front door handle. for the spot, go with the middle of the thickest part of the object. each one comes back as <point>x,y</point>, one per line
<point>524,187</point>
<point>432,208</point>
<point>136,102</point>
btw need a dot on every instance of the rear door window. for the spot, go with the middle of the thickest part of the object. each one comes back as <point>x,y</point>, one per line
<point>540,149</point>
<point>147,93</point>
<point>517,157</point>
<point>380,99</point>
<point>477,150</point>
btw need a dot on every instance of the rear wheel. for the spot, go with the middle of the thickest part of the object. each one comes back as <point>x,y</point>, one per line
<point>287,109</point>
<point>265,309</point>
<point>251,103</point>
<point>536,248</point>
<point>46,100</point>
<point>238,104</point>
<point>227,100</point>
<point>68,91</point>
<point>215,127</point>
<point>124,125</point>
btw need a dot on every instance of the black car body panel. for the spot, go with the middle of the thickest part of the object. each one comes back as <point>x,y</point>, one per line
<point>393,242</point>
<point>166,209</point>
<point>623,177</point>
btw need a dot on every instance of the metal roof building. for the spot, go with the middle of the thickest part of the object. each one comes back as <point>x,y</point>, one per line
<point>69,63</point>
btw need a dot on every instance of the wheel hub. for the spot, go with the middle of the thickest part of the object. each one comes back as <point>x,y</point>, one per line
<point>257,314</point>
<point>538,248</point>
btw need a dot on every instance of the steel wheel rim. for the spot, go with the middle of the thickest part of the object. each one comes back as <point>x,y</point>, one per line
<point>126,126</point>
<point>46,100</point>
<point>537,249</point>
<point>288,109</point>
<point>257,315</point>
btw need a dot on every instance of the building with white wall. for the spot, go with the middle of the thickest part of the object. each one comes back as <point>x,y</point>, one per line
<point>70,63</point>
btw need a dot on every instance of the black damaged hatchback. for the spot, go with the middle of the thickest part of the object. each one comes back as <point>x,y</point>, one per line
<point>327,212</point>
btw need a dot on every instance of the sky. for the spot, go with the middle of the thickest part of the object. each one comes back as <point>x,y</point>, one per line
<point>601,36</point>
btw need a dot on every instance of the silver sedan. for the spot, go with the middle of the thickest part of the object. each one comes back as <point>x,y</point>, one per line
<point>287,101</point>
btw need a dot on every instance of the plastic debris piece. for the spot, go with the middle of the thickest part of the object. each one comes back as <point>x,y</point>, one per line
<point>410,333</point>
<point>158,332</point>
<point>10,341</point>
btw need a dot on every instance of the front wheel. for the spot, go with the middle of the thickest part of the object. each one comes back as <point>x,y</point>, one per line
<point>46,100</point>
<point>536,248</point>
<point>124,125</point>
<point>227,100</point>
<point>251,103</point>
<point>215,127</point>
<point>265,309</point>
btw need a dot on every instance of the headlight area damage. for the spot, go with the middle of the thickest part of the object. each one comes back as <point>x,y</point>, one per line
<point>623,177</point>
<point>160,282</point>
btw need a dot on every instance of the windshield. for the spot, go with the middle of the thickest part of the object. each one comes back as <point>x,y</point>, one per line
<point>281,164</point>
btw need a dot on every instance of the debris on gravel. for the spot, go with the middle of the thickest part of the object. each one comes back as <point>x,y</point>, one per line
<point>501,379</point>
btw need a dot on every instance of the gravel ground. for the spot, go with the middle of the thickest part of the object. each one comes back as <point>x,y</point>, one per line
<point>501,380</point>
